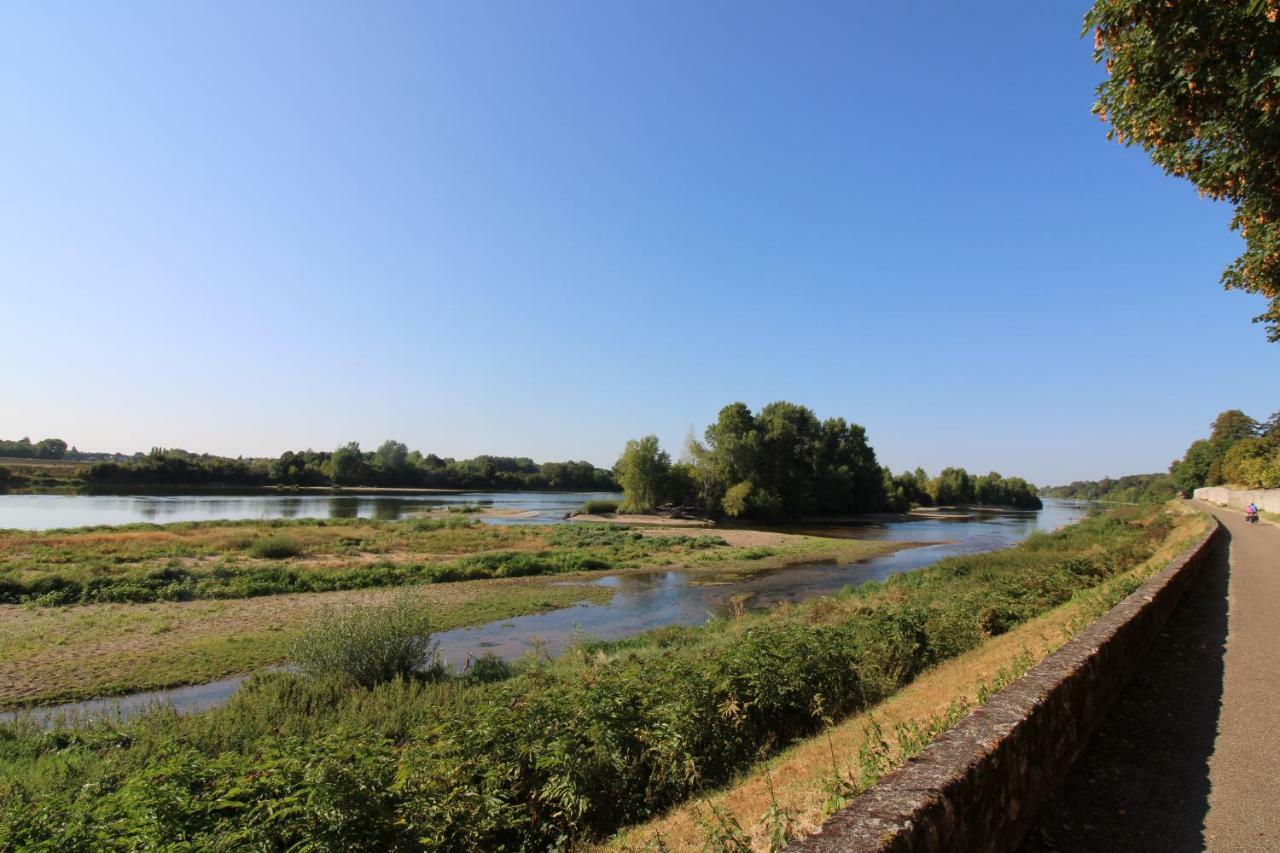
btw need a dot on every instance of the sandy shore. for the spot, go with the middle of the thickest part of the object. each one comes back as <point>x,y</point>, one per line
<point>650,520</point>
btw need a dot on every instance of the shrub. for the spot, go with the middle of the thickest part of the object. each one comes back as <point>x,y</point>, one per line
<point>598,507</point>
<point>448,522</point>
<point>370,645</point>
<point>489,668</point>
<point>275,548</point>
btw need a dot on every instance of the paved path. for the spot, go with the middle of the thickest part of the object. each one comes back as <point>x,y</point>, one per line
<point>1189,759</point>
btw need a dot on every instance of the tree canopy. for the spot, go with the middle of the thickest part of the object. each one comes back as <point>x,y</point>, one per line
<point>48,448</point>
<point>1239,451</point>
<point>392,464</point>
<point>1131,488</point>
<point>1196,84</point>
<point>642,472</point>
<point>783,462</point>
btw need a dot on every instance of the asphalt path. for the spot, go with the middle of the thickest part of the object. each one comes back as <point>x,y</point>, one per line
<point>1189,757</point>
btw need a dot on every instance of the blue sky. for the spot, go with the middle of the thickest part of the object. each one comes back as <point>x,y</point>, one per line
<point>543,228</point>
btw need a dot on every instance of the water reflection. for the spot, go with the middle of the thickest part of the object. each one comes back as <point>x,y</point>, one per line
<point>44,512</point>
<point>644,601</point>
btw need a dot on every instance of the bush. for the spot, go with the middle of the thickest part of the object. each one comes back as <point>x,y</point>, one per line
<point>448,522</point>
<point>275,548</point>
<point>598,507</point>
<point>489,668</point>
<point>370,645</point>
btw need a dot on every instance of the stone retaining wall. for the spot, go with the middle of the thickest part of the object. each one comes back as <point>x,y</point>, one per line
<point>1268,500</point>
<point>979,785</point>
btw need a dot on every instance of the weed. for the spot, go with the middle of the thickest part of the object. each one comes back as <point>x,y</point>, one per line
<point>275,548</point>
<point>370,645</point>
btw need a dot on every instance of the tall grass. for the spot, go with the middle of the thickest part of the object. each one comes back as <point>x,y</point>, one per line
<point>369,645</point>
<point>275,548</point>
<point>549,756</point>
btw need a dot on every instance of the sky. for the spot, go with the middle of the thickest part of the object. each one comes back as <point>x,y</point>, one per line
<point>541,229</point>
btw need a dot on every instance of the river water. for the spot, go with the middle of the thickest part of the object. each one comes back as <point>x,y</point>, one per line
<point>646,600</point>
<point>47,512</point>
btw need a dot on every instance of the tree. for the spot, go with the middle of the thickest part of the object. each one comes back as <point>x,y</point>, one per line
<point>1196,468</point>
<point>952,486</point>
<point>392,458</point>
<point>51,448</point>
<point>642,472</point>
<point>1232,425</point>
<point>347,466</point>
<point>1196,83</point>
<point>1253,463</point>
<point>736,499</point>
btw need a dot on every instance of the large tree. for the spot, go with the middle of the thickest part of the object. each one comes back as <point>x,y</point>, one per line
<point>1196,83</point>
<point>642,472</point>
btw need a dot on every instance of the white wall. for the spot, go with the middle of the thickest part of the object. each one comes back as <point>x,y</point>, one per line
<point>1268,500</point>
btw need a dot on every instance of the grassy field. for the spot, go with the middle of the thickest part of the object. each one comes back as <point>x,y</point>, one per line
<point>52,652</point>
<point>564,753</point>
<point>214,560</point>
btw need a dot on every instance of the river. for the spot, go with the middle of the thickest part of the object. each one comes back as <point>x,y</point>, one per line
<point>47,512</point>
<point>646,600</point>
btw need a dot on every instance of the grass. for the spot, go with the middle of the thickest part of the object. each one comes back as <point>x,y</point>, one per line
<point>367,646</point>
<point>598,507</point>
<point>56,654</point>
<point>53,654</point>
<point>820,774</point>
<point>275,548</point>
<point>224,560</point>
<point>558,753</point>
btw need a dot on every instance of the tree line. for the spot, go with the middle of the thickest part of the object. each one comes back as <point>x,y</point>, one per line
<point>1239,451</point>
<point>23,448</point>
<point>392,464</point>
<point>1132,488</point>
<point>782,461</point>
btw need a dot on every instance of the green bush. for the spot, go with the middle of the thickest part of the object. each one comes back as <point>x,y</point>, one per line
<point>489,668</point>
<point>370,645</point>
<point>598,507</point>
<point>275,548</point>
<point>448,522</point>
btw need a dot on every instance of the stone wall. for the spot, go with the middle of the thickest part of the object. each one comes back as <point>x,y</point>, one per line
<point>979,785</point>
<point>1268,500</point>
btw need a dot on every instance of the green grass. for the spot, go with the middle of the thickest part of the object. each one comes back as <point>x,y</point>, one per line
<point>185,562</point>
<point>275,548</point>
<point>598,507</point>
<point>554,755</point>
<point>62,653</point>
<point>368,646</point>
